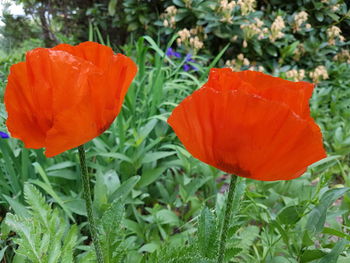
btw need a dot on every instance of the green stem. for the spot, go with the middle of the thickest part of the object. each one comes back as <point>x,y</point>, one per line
<point>227,219</point>
<point>88,202</point>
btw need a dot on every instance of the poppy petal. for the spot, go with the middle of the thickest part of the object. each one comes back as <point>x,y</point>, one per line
<point>71,129</point>
<point>247,135</point>
<point>295,95</point>
<point>93,52</point>
<point>59,82</point>
<point>22,122</point>
<point>110,87</point>
<point>62,97</point>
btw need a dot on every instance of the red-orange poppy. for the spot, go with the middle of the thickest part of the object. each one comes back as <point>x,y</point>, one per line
<point>63,97</point>
<point>250,124</point>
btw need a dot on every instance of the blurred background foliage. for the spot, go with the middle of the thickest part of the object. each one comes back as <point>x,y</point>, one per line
<point>156,203</point>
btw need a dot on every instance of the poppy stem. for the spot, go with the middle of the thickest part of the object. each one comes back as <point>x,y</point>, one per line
<point>227,219</point>
<point>88,202</point>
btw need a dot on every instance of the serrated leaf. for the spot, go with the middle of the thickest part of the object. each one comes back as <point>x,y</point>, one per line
<point>112,217</point>
<point>37,204</point>
<point>207,234</point>
<point>69,244</point>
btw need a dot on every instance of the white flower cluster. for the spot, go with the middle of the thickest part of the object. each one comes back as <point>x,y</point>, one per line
<point>296,75</point>
<point>343,56</point>
<point>236,64</point>
<point>334,7</point>
<point>276,29</point>
<point>257,68</point>
<point>256,28</point>
<point>299,19</point>
<point>334,33</point>
<point>227,8</point>
<point>196,43</point>
<point>318,74</point>
<point>247,6</point>
<point>169,16</point>
<point>190,38</point>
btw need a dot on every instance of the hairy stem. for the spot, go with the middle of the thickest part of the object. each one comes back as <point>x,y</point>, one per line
<point>88,202</point>
<point>227,219</point>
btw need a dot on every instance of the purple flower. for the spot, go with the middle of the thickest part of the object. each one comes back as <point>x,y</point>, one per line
<point>4,135</point>
<point>188,58</point>
<point>186,67</point>
<point>172,53</point>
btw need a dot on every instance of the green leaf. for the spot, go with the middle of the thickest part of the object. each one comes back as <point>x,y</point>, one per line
<point>291,214</point>
<point>155,156</point>
<point>17,207</point>
<point>150,248</point>
<point>156,48</point>
<point>69,244</point>
<point>207,234</point>
<point>146,130</point>
<point>168,217</point>
<point>248,235</point>
<point>112,217</point>
<point>54,195</point>
<point>271,50</point>
<point>61,165</point>
<point>117,156</point>
<point>37,204</point>
<point>237,196</point>
<point>332,257</point>
<point>307,241</point>
<point>312,254</point>
<point>133,26</point>
<point>317,216</point>
<point>289,50</point>
<point>279,259</point>
<point>179,3</point>
<point>28,241</point>
<point>334,16</point>
<point>112,7</point>
<point>150,175</point>
<point>216,59</point>
<point>2,252</point>
<point>319,16</point>
<point>334,232</point>
<point>125,188</point>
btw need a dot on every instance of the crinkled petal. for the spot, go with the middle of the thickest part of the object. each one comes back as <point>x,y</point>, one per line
<point>93,52</point>
<point>22,121</point>
<point>295,95</point>
<point>110,87</point>
<point>71,129</point>
<point>67,95</point>
<point>247,135</point>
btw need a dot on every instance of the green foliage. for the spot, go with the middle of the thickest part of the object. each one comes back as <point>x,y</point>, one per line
<point>44,236</point>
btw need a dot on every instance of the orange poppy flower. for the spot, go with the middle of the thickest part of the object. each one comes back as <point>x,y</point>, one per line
<point>250,124</point>
<point>63,97</point>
